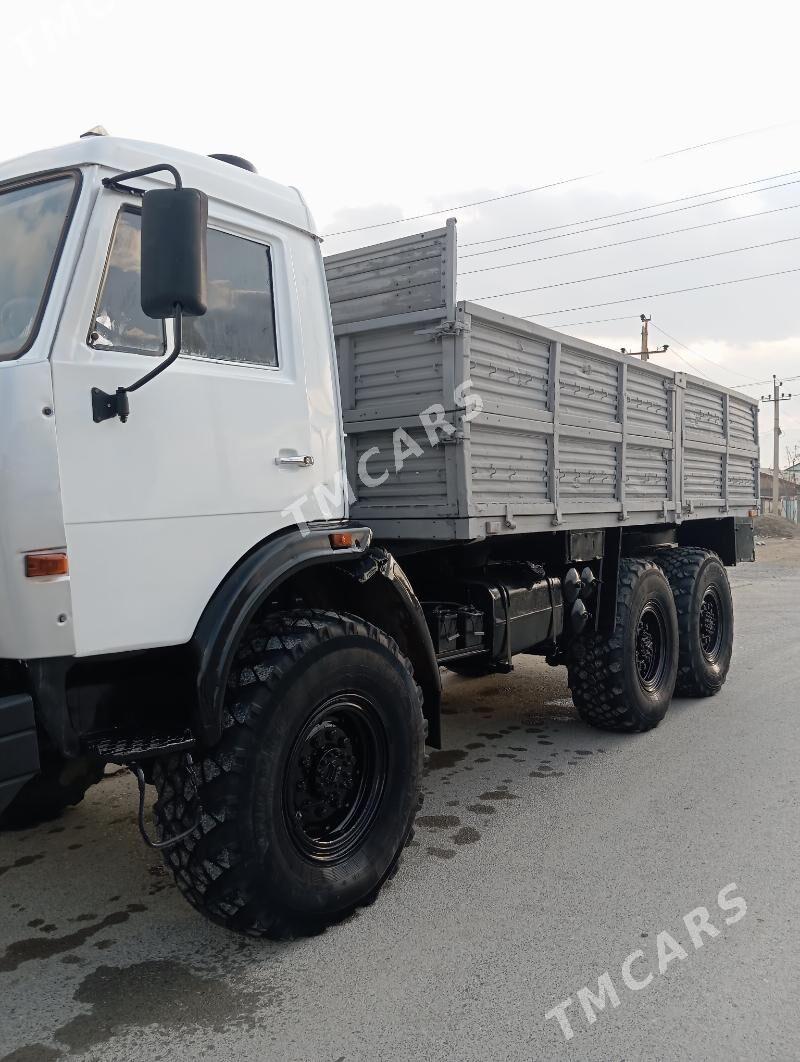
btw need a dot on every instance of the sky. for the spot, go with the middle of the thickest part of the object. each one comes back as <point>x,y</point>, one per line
<point>379,112</point>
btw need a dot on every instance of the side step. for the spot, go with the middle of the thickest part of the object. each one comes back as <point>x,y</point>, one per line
<point>131,748</point>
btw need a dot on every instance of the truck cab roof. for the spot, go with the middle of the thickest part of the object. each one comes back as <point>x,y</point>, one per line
<point>219,180</point>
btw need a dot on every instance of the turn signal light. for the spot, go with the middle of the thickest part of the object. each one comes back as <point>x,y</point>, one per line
<point>39,564</point>
<point>343,540</point>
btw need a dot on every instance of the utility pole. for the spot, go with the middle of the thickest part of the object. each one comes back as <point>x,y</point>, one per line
<point>776,398</point>
<point>645,352</point>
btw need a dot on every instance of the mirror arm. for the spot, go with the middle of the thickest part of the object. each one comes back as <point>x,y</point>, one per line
<point>105,406</point>
<point>176,349</point>
<point>117,183</point>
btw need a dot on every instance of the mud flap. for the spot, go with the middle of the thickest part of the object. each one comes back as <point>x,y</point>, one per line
<point>19,746</point>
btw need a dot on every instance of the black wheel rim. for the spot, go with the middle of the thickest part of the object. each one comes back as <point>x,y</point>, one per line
<point>651,647</point>
<point>335,778</point>
<point>711,624</point>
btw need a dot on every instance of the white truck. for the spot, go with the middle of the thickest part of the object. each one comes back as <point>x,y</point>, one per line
<point>217,449</point>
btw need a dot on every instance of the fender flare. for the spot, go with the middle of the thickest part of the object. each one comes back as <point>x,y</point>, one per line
<point>248,587</point>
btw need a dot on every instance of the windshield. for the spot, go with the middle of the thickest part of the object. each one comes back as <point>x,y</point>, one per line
<point>33,221</point>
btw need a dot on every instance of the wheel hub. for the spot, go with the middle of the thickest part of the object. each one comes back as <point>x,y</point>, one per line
<point>710,624</point>
<point>334,778</point>
<point>334,773</point>
<point>650,646</point>
<point>645,651</point>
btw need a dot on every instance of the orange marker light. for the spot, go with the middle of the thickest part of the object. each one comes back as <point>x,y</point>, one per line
<point>343,540</point>
<point>39,564</point>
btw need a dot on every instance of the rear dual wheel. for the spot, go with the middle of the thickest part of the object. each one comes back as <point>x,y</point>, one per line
<point>704,604</point>
<point>625,681</point>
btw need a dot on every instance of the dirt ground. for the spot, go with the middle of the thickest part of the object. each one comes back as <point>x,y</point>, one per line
<point>775,527</point>
<point>777,540</point>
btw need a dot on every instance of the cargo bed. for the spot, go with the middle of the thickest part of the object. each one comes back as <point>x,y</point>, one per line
<point>571,435</point>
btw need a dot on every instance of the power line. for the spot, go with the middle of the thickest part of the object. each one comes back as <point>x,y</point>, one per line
<point>686,361</point>
<point>661,294</point>
<point>761,383</point>
<point>600,320</point>
<point>622,243</point>
<point>555,184</point>
<point>625,221</point>
<point>725,139</point>
<point>630,317</point>
<point>674,339</point>
<point>465,206</point>
<point>676,353</point>
<point>637,269</point>
<point>697,354</point>
<point>636,210</point>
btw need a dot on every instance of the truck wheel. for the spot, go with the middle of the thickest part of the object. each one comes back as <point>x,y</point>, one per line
<point>309,798</point>
<point>703,599</point>
<point>60,784</point>
<point>625,681</point>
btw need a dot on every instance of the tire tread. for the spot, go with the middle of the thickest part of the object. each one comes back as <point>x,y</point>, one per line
<point>681,567</point>
<point>209,866</point>
<point>595,663</point>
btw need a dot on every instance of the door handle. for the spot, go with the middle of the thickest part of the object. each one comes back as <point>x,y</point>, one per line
<point>295,459</point>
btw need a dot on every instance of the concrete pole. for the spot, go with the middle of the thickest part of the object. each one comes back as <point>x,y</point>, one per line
<point>776,398</point>
<point>645,351</point>
<point>776,454</point>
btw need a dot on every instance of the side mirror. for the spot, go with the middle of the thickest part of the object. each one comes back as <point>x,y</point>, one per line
<point>173,269</point>
<point>174,255</point>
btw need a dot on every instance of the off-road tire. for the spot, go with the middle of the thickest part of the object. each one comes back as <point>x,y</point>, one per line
<point>60,785</point>
<point>243,866</point>
<point>698,580</point>
<point>607,688</point>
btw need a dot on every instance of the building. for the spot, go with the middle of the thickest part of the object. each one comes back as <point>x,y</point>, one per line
<point>789,490</point>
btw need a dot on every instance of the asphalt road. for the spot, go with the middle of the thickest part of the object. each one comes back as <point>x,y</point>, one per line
<point>547,854</point>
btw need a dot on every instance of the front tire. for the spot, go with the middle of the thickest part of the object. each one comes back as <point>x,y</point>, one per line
<point>59,785</point>
<point>625,681</point>
<point>309,798</point>
<point>704,603</point>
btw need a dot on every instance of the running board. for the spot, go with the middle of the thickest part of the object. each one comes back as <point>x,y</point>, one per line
<point>123,748</point>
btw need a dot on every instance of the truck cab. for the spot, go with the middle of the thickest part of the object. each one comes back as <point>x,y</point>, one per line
<point>164,502</point>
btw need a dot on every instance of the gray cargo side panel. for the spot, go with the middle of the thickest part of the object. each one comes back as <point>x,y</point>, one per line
<point>410,275</point>
<point>571,435</point>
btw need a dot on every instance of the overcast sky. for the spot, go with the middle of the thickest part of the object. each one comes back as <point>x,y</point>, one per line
<point>382,111</point>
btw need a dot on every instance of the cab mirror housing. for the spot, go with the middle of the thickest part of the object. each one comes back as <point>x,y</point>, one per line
<point>174,253</point>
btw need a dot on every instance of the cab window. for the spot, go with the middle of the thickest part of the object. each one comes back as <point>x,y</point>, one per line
<point>33,226</point>
<point>240,323</point>
<point>120,323</point>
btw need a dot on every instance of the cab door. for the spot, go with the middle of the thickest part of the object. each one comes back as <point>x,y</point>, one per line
<point>217,449</point>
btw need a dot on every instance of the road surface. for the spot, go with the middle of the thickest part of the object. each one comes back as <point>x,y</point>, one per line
<point>547,854</point>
